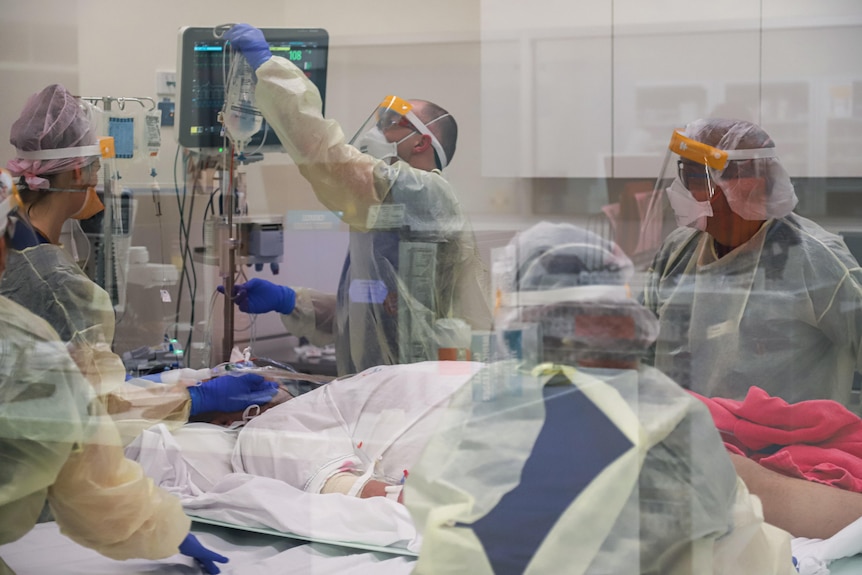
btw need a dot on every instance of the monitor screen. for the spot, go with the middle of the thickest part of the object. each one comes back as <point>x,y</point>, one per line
<point>202,67</point>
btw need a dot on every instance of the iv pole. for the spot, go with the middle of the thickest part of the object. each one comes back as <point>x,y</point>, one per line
<point>228,199</point>
<point>228,277</point>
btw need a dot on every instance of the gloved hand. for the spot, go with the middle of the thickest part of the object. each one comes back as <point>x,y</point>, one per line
<point>249,41</point>
<point>191,547</point>
<point>230,393</point>
<point>261,296</point>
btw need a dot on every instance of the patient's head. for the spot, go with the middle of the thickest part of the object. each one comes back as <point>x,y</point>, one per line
<point>574,284</point>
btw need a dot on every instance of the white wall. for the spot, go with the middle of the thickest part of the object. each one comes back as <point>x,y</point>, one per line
<point>110,48</point>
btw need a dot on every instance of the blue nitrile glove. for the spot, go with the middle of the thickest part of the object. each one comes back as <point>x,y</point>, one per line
<point>230,393</point>
<point>249,41</point>
<point>261,296</point>
<point>191,547</point>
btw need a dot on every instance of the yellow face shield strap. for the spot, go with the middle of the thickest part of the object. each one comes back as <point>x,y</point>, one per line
<point>697,151</point>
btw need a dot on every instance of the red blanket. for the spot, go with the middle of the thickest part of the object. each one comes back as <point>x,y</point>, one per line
<point>818,440</point>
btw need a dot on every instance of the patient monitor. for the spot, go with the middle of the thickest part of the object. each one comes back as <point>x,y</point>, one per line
<point>202,67</point>
<point>235,133</point>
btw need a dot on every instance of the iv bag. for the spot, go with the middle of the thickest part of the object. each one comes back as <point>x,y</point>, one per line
<point>242,119</point>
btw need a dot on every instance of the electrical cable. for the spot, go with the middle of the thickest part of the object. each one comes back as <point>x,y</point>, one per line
<point>187,279</point>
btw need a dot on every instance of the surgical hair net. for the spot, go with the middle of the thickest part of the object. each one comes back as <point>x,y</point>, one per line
<point>52,119</point>
<point>740,179</point>
<point>575,285</point>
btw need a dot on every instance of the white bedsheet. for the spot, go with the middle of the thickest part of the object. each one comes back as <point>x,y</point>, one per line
<point>820,556</point>
<point>44,551</point>
<point>242,499</point>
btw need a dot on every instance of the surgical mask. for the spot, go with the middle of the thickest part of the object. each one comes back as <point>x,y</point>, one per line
<point>92,206</point>
<point>374,143</point>
<point>689,212</point>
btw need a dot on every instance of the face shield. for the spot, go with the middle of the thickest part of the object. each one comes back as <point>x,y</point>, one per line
<point>393,122</point>
<point>92,175</point>
<point>576,293</point>
<point>752,180</point>
<point>602,326</point>
<point>43,151</point>
<point>55,133</point>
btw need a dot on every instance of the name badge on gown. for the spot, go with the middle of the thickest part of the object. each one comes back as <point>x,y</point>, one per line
<point>386,217</point>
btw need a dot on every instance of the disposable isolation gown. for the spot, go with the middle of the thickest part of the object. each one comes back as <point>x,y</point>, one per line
<point>411,259</point>
<point>373,425</point>
<point>47,281</point>
<point>57,444</point>
<point>586,472</point>
<point>782,312</point>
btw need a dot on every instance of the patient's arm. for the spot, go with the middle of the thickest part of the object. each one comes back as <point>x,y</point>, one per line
<point>375,488</point>
<point>801,507</point>
<point>343,482</point>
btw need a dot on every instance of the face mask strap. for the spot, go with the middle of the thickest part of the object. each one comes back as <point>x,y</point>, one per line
<point>422,128</point>
<point>70,190</point>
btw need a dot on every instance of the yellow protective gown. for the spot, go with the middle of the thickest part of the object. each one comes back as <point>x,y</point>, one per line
<point>56,443</point>
<point>494,489</point>
<point>47,281</point>
<point>782,311</point>
<point>412,257</point>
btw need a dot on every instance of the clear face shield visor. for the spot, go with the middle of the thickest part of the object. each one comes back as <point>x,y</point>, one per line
<point>597,322</point>
<point>96,172</point>
<point>392,122</point>
<point>752,181</point>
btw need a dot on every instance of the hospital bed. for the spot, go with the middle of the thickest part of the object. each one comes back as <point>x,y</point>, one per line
<point>193,463</point>
<point>44,550</point>
<point>263,524</point>
<point>395,537</point>
<point>849,566</point>
<point>200,453</point>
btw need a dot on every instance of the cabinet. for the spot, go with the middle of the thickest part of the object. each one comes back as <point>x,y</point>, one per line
<point>844,131</point>
<point>665,78</point>
<point>571,106</point>
<point>546,89</point>
<point>576,98</point>
<point>661,109</point>
<point>843,144</point>
<point>783,109</point>
<point>505,125</point>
